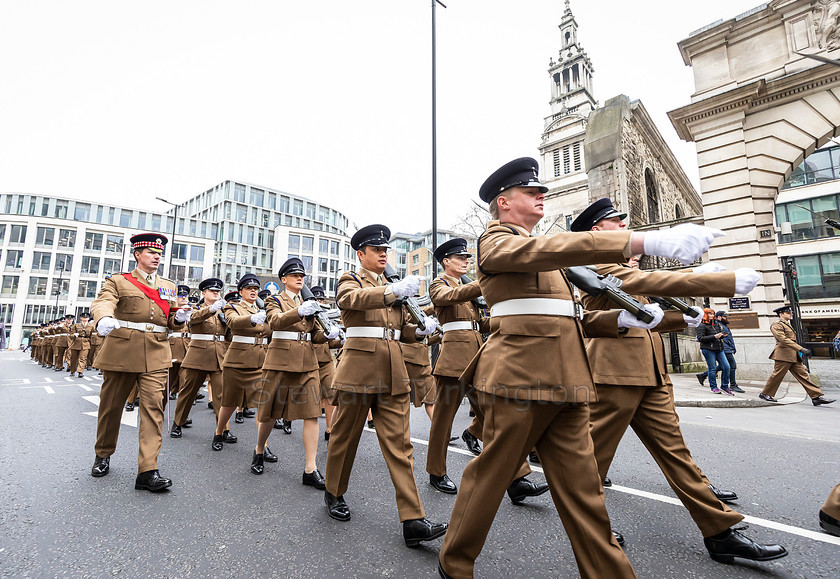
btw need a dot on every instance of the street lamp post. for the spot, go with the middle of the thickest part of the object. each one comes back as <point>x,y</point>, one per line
<point>60,282</point>
<point>172,240</point>
<point>434,137</point>
<point>792,291</point>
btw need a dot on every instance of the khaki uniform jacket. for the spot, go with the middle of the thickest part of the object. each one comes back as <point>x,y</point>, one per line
<point>63,340</point>
<point>371,365</point>
<point>638,359</point>
<point>535,357</point>
<point>124,349</point>
<point>290,355</point>
<point>178,343</point>
<point>82,336</point>
<point>204,354</point>
<point>238,320</point>
<point>786,347</point>
<point>452,303</point>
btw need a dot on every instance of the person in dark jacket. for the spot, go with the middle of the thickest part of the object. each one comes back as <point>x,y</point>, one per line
<point>710,334</point>
<point>729,351</point>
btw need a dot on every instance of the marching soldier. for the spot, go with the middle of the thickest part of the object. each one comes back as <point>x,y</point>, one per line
<point>178,343</point>
<point>372,376</point>
<point>134,312</point>
<point>326,368</point>
<point>62,342</point>
<point>80,346</point>
<point>634,389</point>
<point>532,374</point>
<point>787,357</point>
<point>95,342</point>
<point>290,386</point>
<point>205,355</point>
<point>242,366</point>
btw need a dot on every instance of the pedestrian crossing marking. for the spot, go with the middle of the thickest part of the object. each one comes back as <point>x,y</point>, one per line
<point>49,390</point>
<point>68,378</point>
<point>88,388</point>
<point>127,418</point>
<point>47,379</point>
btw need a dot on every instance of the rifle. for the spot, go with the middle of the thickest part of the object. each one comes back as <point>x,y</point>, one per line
<point>414,309</point>
<point>608,286</point>
<point>479,302</point>
<point>676,303</point>
<point>321,317</point>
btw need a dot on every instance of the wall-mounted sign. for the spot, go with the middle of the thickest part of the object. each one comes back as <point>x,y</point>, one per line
<point>765,233</point>
<point>740,303</point>
<point>826,311</point>
<point>272,287</point>
<point>743,320</point>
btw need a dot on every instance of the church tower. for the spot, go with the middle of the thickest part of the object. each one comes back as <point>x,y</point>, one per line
<point>561,150</point>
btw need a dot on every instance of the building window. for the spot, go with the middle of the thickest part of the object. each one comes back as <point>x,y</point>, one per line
<point>415,259</point>
<point>93,241</point>
<point>66,238</point>
<point>298,207</point>
<point>179,251</point>
<point>803,221</point>
<point>283,207</point>
<point>90,265</point>
<point>63,262</point>
<point>45,236</point>
<point>576,156</point>
<point>294,243</point>
<point>10,285</point>
<point>87,289</point>
<point>60,209</point>
<point>678,211</point>
<point>239,193</point>
<point>257,197</point>
<point>2,232</point>
<point>110,266</point>
<point>652,197</point>
<point>14,259</point>
<point>818,276</point>
<point>125,218</point>
<point>196,253</point>
<point>322,265</point>
<point>177,272</point>
<point>114,244</point>
<point>41,261</point>
<point>195,274</point>
<point>60,287</point>
<point>37,286</point>
<point>819,167</point>
<point>82,212</point>
<point>307,262</point>
<point>17,234</point>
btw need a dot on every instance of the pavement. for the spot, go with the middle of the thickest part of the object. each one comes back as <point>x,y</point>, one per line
<point>688,391</point>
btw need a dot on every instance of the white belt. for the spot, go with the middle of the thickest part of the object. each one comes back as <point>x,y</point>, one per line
<point>142,327</point>
<point>207,337</point>
<point>247,340</point>
<point>296,336</point>
<point>534,307</point>
<point>451,326</point>
<point>179,335</point>
<point>373,332</point>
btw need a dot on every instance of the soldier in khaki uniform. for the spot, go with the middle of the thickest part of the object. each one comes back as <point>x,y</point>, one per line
<point>134,312</point>
<point>462,324</point>
<point>634,389</point>
<point>205,355</point>
<point>372,376</point>
<point>242,367</point>
<point>786,356</point>
<point>178,343</point>
<point>80,346</point>
<point>532,374</point>
<point>62,342</point>
<point>326,368</point>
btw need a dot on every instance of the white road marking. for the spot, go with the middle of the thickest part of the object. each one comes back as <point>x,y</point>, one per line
<point>127,418</point>
<point>88,379</point>
<point>805,533</point>
<point>12,381</point>
<point>88,388</point>
<point>49,390</point>
<point>68,378</point>
<point>47,379</point>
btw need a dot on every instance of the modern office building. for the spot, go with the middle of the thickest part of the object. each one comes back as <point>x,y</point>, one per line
<point>57,251</point>
<point>411,254</point>
<point>809,196</point>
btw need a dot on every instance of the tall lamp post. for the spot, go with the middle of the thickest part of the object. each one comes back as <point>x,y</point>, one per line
<point>172,240</point>
<point>60,283</point>
<point>434,137</point>
<point>792,291</point>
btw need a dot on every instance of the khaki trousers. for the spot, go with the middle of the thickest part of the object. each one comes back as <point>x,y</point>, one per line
<point>91,358</point>
<point>651,413</point>
<point>78,358</point>
<point>115,389</point>
<point>174,378</point>
<point>560,433</point>
<point>391,414</point>
<point>832,505</point>
<point>58,356</point>
<point>191,381</point>
<point>799,372</point>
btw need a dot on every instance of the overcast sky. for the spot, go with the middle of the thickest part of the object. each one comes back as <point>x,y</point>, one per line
<point>125,101</point>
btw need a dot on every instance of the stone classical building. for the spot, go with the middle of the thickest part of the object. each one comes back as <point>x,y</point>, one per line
<point>760,106</point>
<point>615,150</point>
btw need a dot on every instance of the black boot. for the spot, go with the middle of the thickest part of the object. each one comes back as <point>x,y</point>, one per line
<point>472,442</point>
<point>238,418</point>
<point>723,496</point>
<point>533,458</point>
<point>218,441</point>
<point>314,479</point>
<point>730,544</point>
<point>257,463</point>
<point>101,466</point>
<point>269,456</point>
<point>336,507</point>
<point>228,437</point>
<point>522,488</point>
<point>175,432</point>
<point>418,530</point>
<point>444,484</point>
<point>287,426</point>
<point>151,481</point>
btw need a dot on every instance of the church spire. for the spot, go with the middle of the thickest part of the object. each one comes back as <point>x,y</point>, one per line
<point>571,74</point>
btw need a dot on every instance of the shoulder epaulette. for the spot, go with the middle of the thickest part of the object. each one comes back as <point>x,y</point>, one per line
<point>478,249</point>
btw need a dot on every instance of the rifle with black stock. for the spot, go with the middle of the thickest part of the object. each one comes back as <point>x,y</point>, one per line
<point>414,310</point>
<point>595,284</point>
<point>321,317</point>
<point>676,303</point>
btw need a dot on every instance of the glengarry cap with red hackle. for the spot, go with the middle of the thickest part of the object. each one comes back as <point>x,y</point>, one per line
<point>151,241</point>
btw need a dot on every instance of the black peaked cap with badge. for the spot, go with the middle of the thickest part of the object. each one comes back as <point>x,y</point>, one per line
<point>601,209</point>
<point>375,235</point>
<point>152,241</point>
<point>522,172</point>
<point>183,290</point>
<point>262,294</point>
<point>232,296</point>
<point>248,280</point>
<point>211,283</point>
<point>783,310</point>
<point>318,292</point>
<point>454,246</point>
<point>292,265</point>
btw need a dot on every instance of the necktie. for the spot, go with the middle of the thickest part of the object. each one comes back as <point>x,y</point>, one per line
<point>297,299</point>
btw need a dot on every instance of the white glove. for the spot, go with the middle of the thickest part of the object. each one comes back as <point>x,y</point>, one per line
<point>431,326</point>
<point>628,320</point>
<point>745,280</point>
<point>258,318</point>
<point>106,326</point>
<point>333,333</point>
<point>685,242</point>
<point>183,314</point>
<point>710,267</point>
<point>217,305</point>
<point>693,322</point>
<point>308,308</point>
<point>407,287</point>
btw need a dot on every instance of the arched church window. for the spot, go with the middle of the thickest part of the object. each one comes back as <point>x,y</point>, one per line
<point>568,38</point>
<point>652,196</point>
<point>678,211</point>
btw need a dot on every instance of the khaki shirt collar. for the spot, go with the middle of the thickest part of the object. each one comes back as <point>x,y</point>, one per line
<point>291,296</point>
<point>378,279</point>
<point>519,228</point>
<point>147,278</point>
<point>453,281</point>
